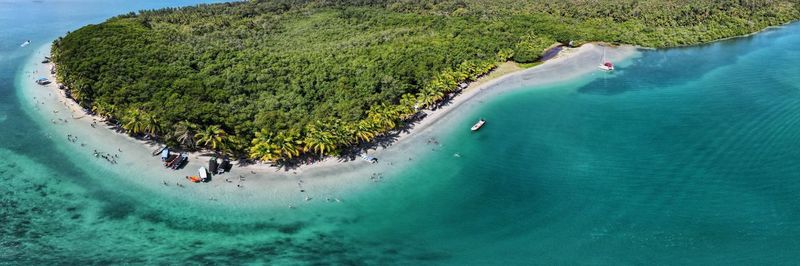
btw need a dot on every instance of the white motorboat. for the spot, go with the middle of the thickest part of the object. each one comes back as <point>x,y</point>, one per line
<point>203,173</point>
<point>478,125</point>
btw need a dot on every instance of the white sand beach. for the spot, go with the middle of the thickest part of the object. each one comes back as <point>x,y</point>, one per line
<point>259,185</point>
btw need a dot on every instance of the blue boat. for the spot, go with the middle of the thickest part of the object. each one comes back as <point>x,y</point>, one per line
<point>158,151</point>
<point>164,154</point>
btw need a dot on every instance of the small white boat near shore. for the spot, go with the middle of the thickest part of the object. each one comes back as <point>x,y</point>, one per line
<point>478,125</point>
<point>203,174</point>
<point>369,159</point>
<point>25,43</point>
<point>42,81</point>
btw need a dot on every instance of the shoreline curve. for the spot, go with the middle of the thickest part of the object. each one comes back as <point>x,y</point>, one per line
<point>329,180</point>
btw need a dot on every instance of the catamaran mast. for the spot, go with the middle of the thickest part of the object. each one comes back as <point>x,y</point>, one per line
<point>603,59</point>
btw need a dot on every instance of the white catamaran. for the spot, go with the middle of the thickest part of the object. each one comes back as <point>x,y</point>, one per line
<point>605,65</point>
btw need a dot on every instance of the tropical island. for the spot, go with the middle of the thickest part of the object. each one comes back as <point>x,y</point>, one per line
<point>277,80</point>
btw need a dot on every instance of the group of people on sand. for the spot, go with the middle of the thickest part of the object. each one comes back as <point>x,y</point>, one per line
<point>111,158</point>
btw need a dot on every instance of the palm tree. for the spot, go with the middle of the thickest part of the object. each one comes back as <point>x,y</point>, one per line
<point>425,99</point>
<point>364,130</point>
<point>343,134</point>
<point>134,121</point>
<point>264,148</point>
<point>265,152</point>
<point>383,118</point>
<point>435,95</point>
<point>407,107</point>
<point>404,112</point>
<point>408,99</point>
<point>184,133</point>
<point>213,137</point>
<point>104,110</point>
<point>101,109</point>
<point>289,143</point>
<point>389,111</point>
<point>448,81</point>
<point>150,124</point>
<point>318,141</point>
<point>110,111</point>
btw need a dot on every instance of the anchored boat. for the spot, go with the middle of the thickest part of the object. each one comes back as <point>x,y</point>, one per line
<point>478,125</point>
<point>605,65</point>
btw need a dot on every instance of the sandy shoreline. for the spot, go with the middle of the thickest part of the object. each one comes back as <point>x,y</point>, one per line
<point>257,185</point>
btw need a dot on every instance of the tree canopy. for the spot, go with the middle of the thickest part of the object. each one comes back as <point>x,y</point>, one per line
<point>317,75</point>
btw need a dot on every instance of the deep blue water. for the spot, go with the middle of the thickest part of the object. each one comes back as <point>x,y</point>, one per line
<point>684,156</point>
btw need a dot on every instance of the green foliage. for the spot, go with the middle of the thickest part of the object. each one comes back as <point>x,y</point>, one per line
<point>213,137</point>
<point>531,47</point>
<point>316,76</point>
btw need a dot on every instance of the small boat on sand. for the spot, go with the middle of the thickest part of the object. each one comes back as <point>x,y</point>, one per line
<point>171,159</point>
<point>478,125</point>
<point>42,81</point>
<point>203,174</point>
<point>194,178</point>
<point>25,43</point>
<point>212,164</point>
<point>160,150</point>
<point>164,153</point>
<point>180,161</point>
<point>369,159</point>
<point>224,166</point>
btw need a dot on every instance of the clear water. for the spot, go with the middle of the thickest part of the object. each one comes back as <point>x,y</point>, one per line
<point>685,156</point>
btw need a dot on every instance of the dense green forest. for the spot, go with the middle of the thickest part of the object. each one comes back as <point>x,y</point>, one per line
<point>278,79</point>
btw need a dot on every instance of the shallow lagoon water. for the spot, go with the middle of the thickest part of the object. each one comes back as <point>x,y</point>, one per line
<point>682,156</point>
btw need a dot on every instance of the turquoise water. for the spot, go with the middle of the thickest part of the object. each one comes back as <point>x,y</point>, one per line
<point>685,156</point>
